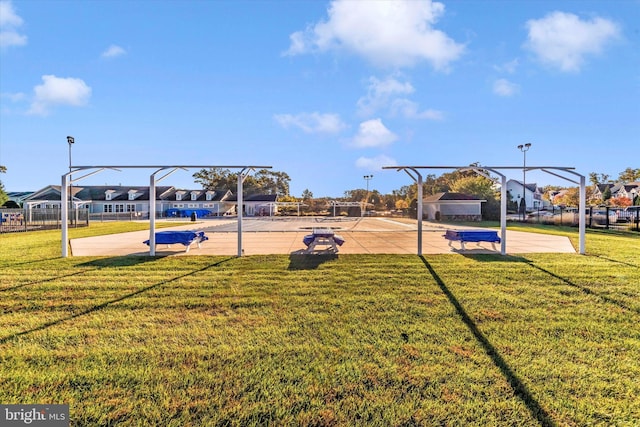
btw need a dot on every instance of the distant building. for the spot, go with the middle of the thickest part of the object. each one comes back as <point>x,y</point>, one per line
<point>134,200</point>
<point>532,194</point>
<point>452,207</point>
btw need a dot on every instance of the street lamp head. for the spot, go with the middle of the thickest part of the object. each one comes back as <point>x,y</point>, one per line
<point>70,140</point>
<point>528,144</point>
<point>520,147</point>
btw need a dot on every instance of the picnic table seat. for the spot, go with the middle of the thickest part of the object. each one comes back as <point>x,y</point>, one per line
<point>186,238</point>
<point>476,236</point>
<point>322,237</point>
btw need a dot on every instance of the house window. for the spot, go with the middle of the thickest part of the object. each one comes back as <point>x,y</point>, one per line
<point>120,208</point>
<point>178,205</point>
<point>193,205</point>
<point>178,196</point>
<point>131,207</point>
<point>194,196</point>
<point>107,196</point>
<point>132,195</point>
<point>209,196</point>
<point>107,208</point>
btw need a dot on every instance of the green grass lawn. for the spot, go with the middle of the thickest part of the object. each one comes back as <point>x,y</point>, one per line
<point>389,340</point>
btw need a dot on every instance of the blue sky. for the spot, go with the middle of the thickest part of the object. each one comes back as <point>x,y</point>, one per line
<point>325,91</point>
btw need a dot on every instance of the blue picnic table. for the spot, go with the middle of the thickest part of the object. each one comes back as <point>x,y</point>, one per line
<point>322,236</point>
<point>186,238</point>
<point>476,236</point>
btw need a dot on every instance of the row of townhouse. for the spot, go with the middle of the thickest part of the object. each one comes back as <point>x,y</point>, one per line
<point>629,190</point>
<point>170,201</point>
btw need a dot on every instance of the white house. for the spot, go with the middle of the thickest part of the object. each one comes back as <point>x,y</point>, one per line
<point>532,194</point>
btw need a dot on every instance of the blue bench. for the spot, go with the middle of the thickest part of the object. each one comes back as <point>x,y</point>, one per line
<point>322,236</point>
<point>476,236</point>
<point>186,238</point>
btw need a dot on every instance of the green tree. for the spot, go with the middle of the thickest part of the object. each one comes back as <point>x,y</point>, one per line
<point>629,175</point>
<point>478,186</point>
<point>306,194</point>
<point>570,197</point>
<point>263,181</point>
<point>3,194</point>
<point>216,179</point>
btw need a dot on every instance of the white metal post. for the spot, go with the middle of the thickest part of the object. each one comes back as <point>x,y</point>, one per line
<point>64,211</point>
<point>152,214</point>
<point>419,212</point>
<point>503,216</point>
<point>583,219</point>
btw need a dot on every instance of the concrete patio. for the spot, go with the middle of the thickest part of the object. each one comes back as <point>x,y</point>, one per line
<point>283,235</point>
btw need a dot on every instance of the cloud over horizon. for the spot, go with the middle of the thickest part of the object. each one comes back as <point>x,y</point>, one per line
<point>9,23</point>
<point>113,51</point>
<point>563,40</point>
<point>59,91</point>
<point>395,34</point>
<point>375,163</point>
<point>373,133</point>
<point>504,87</point>
<point>312,122</point>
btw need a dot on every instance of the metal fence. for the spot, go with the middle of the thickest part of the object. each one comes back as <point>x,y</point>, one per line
<point>16,220</point>
<point>600,218</point>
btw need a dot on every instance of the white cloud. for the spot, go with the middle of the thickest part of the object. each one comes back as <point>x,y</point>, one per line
<point>373,133</point>
<point>395,33</point>
<point>563,40</point>
<point>312,122</point>
<point>13,97</point>
<point>113,51</point>
<point>409,109</point>
<point>9,22</point>
<point>508,67</point>
<point>380,92</point>
<point>59,91</point>
<point>504,87</point>
<point>375,163</point>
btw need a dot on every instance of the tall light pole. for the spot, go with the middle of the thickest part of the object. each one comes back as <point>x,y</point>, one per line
<point>523,202</point>
<point>366,200</point>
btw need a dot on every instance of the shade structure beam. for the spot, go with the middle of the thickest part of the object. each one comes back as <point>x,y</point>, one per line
<point>503,192</point>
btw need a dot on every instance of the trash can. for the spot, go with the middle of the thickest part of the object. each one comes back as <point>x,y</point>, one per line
<point>193,216</point>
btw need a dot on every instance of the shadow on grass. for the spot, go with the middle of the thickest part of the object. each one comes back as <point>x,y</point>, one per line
<point>39,282</point>
<point>300,261</point>
<point>518,387</point>
<point>493,257</point>
<point>35,261</point>
<point>119,261</point>
<point>584,289</point>
<point>106,304</point>
<point>617,261</point>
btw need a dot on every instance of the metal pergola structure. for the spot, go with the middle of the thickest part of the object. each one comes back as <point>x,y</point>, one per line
<point>285,205</point>
<point>153,180</point>
<point>413,172</point>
